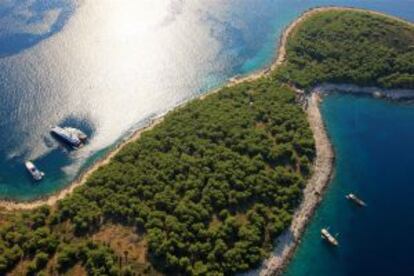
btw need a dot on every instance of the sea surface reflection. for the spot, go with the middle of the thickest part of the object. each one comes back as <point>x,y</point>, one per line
<point>107,66</point>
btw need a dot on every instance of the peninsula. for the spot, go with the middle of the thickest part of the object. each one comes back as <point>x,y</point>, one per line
<point>213,186</point>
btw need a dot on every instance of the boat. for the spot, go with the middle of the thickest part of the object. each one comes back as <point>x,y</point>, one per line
<point>328,237</point>
<point>356,200</point>
<point>35,172</point>
<point>71,136</point>
<point>77,132</point>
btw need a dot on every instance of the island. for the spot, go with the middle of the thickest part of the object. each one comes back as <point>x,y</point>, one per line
<point>217,184</point>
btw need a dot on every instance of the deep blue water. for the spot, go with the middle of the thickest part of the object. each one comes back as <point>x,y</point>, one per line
<point>107,66</point>
<point>18,17</point>
<point>374,150</point>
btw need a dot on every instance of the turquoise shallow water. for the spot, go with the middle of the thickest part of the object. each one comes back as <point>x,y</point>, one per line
<point>106,66</point>
<point>374,150</point>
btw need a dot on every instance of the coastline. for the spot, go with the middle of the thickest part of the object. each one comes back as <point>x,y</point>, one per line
<point>322,168</point>
<point>279,59</point>
<point>391,94</point>
<point>312,194</point>
<point>50,200</point>
<point>12,205</point>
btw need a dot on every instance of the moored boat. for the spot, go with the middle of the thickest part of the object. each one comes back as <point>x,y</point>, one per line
<point>71,136</point>
<point>34,171</point>
<point>328,237</point>
<point>77,132</point>
<point>356,200</point>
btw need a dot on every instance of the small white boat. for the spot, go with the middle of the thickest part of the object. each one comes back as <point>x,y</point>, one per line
<point>35,172</point>
<point>356,200</point>
<point>328,237</point>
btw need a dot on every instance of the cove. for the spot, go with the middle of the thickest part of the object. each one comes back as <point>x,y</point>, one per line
<point>372,139</point>
<point>99,66</point>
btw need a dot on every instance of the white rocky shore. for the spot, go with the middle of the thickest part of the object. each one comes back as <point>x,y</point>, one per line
<point>312,195</point>
<point>393,94</point>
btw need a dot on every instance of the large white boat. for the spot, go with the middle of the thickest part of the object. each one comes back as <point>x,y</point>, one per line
<point>71,136</point>
<point>35,172</point>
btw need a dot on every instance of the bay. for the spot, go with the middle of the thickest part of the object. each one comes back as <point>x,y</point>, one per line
<point>372,140</point>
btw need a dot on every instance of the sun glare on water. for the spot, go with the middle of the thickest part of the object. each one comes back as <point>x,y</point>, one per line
<point>114,64</point>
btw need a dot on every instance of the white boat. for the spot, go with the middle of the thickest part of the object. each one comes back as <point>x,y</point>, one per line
<point>71,136</point>
<point>328,237</point>
<point>356,200</point>
<point>77,132</point>
<point>35,172</point>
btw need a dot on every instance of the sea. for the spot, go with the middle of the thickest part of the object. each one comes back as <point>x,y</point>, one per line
<point>374,157</point>
<point>108,67</point>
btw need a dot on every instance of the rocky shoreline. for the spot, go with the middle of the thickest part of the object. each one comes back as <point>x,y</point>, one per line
<point>52,199</point>
<point>392,94</point>
<point>322,168</point>
<point>312,195</point>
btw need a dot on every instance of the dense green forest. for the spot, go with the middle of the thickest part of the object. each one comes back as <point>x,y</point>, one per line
<point>351,47</point>
<point>209,189</point>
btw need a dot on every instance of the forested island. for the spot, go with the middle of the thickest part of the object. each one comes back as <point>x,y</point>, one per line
<point>208,190</point>
<point>361,48</point>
